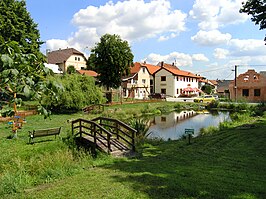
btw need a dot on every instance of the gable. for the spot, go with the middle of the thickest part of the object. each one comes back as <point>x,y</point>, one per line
<point>61,56</point>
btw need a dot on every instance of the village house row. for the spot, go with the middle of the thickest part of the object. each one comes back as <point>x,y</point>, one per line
<point>167,79</point>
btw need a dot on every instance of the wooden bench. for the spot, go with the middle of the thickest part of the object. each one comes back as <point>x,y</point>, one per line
<point>43,132</point>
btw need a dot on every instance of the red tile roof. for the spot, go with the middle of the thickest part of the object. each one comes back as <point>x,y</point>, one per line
<point>137,66</point>
<point>60,56</point>
<point>176,71</point>
<point>154,68</point>
<point>151,68</point>
<point>88,73</point>
<point>167,65</point>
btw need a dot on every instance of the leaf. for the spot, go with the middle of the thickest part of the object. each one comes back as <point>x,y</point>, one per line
<point>7,61</point>
<point>27,91</point>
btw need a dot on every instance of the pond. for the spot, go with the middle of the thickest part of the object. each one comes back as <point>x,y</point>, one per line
<point>172,126</point>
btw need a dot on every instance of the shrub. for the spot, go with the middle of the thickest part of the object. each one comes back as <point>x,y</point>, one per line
<point>79,91</point>
<point>213,104</point>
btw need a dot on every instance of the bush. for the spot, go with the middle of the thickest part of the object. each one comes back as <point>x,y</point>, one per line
<point>79,91</point>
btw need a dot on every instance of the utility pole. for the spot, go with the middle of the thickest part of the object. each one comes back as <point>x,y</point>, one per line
<point>235,83</point>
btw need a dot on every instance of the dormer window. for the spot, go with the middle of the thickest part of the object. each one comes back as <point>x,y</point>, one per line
<point>246,78</point>
<point>143,70</point>
<point>255,77</point>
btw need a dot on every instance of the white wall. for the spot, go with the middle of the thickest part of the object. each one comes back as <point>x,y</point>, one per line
<point>169,84</point>
<point>172,84</point>
<point>77,61</point>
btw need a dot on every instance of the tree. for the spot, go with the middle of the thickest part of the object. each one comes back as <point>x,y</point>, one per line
<point>71,69</point>
<point>79,91</point>
<point>23,75</point>
<point>257,9</point>
<point>112,58</point>
<point>207,89</point>
<point>17,25</point>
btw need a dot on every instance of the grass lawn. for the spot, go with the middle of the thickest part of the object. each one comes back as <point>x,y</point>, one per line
<point>227,164</point>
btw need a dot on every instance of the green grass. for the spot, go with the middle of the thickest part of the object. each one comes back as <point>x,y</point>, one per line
<point>227,164</point>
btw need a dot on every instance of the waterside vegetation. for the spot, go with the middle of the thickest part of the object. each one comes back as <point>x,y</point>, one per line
<point>227,162</point>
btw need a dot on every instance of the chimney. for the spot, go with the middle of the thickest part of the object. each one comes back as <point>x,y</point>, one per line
<point>145,62</point>
<point>162,64</point>
<point>173,64</point>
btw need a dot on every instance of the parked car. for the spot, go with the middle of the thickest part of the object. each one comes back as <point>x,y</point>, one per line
<point>205,99</point>
<point>157,96</point>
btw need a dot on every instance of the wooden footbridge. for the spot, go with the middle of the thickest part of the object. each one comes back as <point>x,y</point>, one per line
<point>107,134</point>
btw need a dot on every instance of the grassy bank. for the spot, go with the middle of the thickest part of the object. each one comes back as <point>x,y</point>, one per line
<point>229,163</point>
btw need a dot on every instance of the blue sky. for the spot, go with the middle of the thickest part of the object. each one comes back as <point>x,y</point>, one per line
<point>207,37</point>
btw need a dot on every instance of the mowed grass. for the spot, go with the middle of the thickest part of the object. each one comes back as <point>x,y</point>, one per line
<point>228,164</point>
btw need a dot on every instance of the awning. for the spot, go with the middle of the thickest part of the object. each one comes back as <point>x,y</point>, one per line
<point>189,89</point>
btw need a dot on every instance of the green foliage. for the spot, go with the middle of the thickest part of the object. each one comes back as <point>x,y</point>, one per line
<point>17,25</point>
<point>213,104</point>
<point>23,75</point>
<point>207,89</point>
<point>177,106</point>
<point>258,110</point>
<point>209,130</point>
<point>112,58</point>
<point>71,69</point>
<point>255,8</point>
<point>79,91</point>
<point>142,127</point>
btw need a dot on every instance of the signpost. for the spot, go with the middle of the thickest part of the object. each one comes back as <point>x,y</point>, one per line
<point>189,132</point>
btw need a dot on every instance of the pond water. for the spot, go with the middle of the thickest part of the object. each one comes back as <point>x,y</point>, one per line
<point>172,126</point>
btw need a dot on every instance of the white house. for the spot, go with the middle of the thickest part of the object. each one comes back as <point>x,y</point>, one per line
<point>174,82</point>
<point>67,57</point>
<point>139,84</point>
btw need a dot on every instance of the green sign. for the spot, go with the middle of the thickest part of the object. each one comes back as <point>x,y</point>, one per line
<point>189,131</point>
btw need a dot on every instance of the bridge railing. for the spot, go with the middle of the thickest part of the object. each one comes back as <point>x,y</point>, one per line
<point>119,129</point>
<point>94,130</point>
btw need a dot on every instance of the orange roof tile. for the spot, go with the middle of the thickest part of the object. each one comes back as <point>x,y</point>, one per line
<point>88,73</point>
<point>176,71</point>
<point>151,68</point>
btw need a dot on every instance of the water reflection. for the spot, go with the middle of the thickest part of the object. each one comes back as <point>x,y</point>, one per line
<point>173,125</point>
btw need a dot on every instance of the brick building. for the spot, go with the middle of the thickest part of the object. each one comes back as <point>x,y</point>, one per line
<point>250,86</point>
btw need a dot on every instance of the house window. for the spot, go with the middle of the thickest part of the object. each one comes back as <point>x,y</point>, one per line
<point>246,78</point>
<point>143,81</point>
<point>257,92</point>
<point>245,92</point>
<point>181,90</point>
<point>78,58</point>
<point>163,78</point>
<point>163,119</point>
<point>163,91</point>
<point>176,78</point>
<point>143,70</point>
<point>177,91</point>
<point>151,81</point>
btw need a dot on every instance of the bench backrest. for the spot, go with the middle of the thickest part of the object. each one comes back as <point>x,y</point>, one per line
<point>46,132</point>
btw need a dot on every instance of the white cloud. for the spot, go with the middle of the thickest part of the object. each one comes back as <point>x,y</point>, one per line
<point>180,59</point>
<point>200,57</point>
<point>55,44</point>
<point>249,47</point>
<point>211,38</point>
<point>220,53</point>
<point>164,38</point>
<point>213,14</point>
<point>132,20</point>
